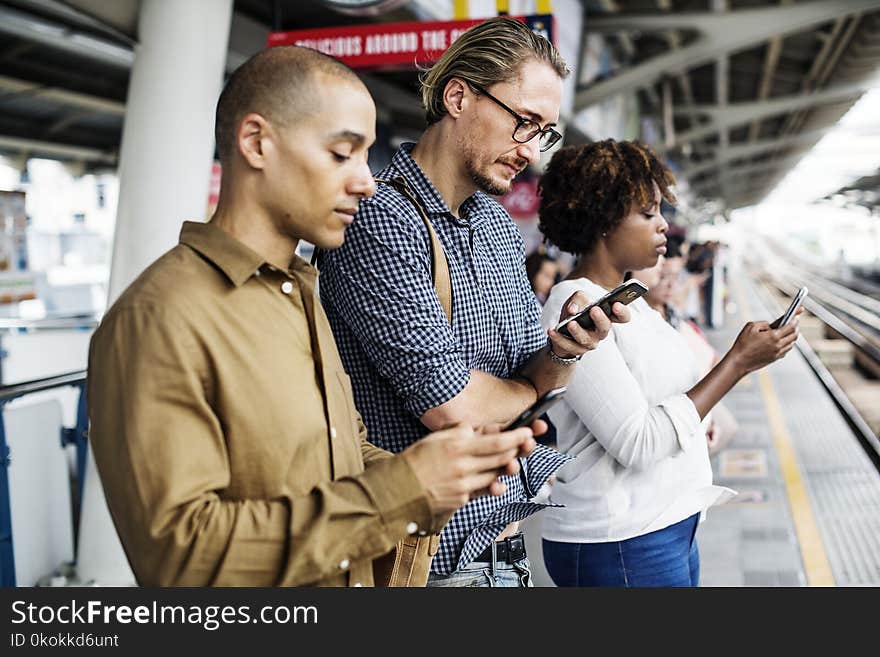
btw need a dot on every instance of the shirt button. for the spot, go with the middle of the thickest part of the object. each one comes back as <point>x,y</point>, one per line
<point>357,585</point>
<point>333,432</point>
<point>412,528</point>
<point>287,287</point>
<point>345,563</point>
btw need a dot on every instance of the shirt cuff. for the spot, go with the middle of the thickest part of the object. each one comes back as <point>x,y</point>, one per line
<point>685,420</point>
<point>445,383</point>
<point>540,464</point>
<point>399,497</point>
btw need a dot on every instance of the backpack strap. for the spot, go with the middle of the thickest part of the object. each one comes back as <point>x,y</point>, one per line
<point>439,264</point>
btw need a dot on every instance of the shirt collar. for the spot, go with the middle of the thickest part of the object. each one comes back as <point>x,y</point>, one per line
<point>474,209</point>
<point>232,257</point>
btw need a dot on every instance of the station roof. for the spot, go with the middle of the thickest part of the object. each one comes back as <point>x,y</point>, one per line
<point>737,90</point>
<point>740,90</point>
<point>864,191</point>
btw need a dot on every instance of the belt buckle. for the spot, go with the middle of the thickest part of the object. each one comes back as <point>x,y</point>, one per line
<point>516,547</point>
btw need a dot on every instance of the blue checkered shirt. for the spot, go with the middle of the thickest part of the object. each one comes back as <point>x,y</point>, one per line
<point>398,347</point>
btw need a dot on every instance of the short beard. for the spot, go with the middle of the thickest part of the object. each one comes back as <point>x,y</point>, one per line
<point>484,183</point>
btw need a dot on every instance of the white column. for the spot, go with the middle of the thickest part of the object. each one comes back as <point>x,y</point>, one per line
<point>165,166</point>
<point>168,137</point>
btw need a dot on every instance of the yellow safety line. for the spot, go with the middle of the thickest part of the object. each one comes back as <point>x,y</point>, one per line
<point>461,9</point>
<point>816,564</point>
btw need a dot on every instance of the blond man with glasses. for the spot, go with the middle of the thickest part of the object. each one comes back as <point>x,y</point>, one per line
<point>492,101</point>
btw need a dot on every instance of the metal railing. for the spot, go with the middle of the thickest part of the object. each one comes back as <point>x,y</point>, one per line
<point>75,436</point>
<point>52,322</point>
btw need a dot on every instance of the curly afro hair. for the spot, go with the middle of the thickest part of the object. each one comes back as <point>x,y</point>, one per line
<point>588,190</point>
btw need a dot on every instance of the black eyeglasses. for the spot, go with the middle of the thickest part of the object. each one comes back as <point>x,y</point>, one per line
<point>525,129</point>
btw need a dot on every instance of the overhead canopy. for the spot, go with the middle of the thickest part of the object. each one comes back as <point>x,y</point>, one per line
<point>739,89</point>
<point>64,68</point>
<point>864,191</point>
<point>742,89</point>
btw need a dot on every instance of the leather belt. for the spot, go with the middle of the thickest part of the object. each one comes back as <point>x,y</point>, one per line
<point>509,550</point>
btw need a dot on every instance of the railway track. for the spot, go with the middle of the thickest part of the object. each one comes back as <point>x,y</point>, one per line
<point>851,315</point>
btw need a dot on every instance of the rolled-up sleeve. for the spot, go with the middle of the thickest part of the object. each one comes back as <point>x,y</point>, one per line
<point>538,467</point>
<point>379,283</point>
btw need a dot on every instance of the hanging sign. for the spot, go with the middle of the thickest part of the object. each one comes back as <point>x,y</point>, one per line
<point>393,45</point>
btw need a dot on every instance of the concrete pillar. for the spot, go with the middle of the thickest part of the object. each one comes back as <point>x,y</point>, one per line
<point>164,171</point>
<point>168,138</point>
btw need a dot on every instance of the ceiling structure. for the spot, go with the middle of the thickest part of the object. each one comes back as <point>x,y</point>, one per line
<point>863,192</point>
<point>65,64</point>
<point>741,89</point>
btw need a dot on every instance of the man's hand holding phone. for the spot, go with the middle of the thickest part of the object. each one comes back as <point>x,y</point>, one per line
<point>457,464</point>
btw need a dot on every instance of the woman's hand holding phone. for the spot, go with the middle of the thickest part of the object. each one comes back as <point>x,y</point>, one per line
<point>758,344</point>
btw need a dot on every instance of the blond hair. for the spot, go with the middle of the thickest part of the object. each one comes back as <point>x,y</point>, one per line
<point>486,54</point>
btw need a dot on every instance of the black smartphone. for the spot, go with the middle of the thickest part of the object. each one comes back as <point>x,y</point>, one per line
<point>788,314</point>
<point>626,293</point>
<point>536,410</point>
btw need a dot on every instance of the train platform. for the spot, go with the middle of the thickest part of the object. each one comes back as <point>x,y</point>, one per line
<point>808,508</point>
<point>807,511</point>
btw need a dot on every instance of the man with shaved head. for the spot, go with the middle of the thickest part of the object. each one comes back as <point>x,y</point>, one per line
<point>222,421</point>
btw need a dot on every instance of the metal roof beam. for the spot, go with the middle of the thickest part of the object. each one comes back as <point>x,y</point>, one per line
<point>74,13</point>
<point>12,86</point>
<point>740,151</point>
<point>737,193</point>
<point>720,34</point>
<point>739,113</point>
<point>246,38</point>
<point>60,37</point>
<point>64,151</point>
<point>748,168</point>
<point>771,61</point>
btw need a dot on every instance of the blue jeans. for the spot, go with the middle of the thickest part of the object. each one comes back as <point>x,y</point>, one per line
<point>480,573</point>
<point>666,557</point>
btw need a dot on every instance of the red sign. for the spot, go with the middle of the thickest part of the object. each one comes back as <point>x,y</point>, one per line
<point>522,201</point>
<point>392,44</point>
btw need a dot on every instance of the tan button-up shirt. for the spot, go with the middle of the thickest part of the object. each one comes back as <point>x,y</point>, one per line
<point>225,433</point>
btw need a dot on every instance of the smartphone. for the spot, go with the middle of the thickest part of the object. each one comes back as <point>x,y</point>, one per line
<point>626,293</point>
<point>788,314</point>
<point>536,410</point>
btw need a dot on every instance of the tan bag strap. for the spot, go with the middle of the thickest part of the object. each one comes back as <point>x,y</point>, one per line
<point>439,263</point>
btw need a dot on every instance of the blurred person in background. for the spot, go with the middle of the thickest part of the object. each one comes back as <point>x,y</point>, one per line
<point>641,478</point>
<point>542,270</point>
<point>664,283</point>
<point>699,270</point>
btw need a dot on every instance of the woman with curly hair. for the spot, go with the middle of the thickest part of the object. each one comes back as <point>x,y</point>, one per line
<point>641,479</point>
